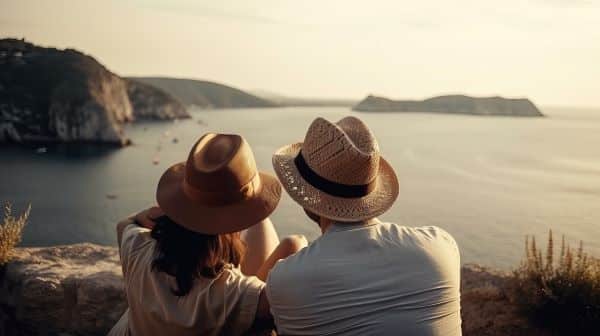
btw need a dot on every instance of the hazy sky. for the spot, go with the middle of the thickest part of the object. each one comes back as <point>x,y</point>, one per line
<point>548,50</point>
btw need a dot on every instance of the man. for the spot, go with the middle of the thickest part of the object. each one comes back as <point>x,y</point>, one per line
<point>362,276</point>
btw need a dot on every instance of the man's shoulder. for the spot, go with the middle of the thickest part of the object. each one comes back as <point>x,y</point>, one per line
<point>422,233</point>
<point>298,260</point>
<point>297,266</point>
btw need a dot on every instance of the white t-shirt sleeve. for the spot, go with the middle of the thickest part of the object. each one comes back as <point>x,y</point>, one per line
<point>448,239</point>
<point>285,291</point>
<point>134,236</point>
<point>240,297</point>
<point>275,288</point>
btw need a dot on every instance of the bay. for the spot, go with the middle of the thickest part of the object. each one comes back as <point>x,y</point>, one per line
<point>489,181</point>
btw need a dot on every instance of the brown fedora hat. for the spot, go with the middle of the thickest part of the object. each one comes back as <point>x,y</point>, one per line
<point>218,189</point>
<point>337,172</point>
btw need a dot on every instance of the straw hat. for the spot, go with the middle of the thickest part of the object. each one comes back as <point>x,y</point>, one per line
<point>219,189</point>
<point>337,171</point>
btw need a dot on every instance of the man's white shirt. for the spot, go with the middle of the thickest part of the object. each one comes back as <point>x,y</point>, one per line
<point>369,279</point>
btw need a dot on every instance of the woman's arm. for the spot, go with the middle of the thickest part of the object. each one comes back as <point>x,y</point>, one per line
<point>261,240</point>
<point>121,226</point>
<point>144,218</point>
<point>263,248</point>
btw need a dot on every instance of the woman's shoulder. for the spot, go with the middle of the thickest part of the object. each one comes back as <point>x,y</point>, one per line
<point>231,280</point>
<point>134,237</point>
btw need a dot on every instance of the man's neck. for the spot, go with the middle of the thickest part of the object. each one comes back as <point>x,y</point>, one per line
<point>325,223</point>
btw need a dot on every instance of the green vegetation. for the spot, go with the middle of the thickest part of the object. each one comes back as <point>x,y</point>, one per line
<point>10,232</point>
<point>561,294</point>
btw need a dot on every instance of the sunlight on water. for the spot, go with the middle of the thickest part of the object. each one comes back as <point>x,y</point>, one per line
<point>487,180</point>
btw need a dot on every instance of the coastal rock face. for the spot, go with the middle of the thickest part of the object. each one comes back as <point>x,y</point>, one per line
<point>48,94</point>
<point>78,290</point>
<point>453,104</point>
<point>205,94</point>
<point>150,103</point>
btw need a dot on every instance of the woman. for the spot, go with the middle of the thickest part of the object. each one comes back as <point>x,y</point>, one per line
<point>195,265</point>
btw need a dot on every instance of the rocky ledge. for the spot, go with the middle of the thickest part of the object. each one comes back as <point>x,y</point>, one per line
<point>78,290</point>
<point>521,107</point>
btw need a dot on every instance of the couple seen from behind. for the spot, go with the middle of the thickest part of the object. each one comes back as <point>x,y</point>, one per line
<point>207,259</point>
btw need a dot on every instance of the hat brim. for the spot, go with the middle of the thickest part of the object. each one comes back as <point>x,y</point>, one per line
<point>202,218</point>
<point>342,209</point>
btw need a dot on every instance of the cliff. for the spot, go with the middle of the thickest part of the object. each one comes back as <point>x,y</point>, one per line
<point>205,94</point>
<point>52,95</point>
<point>152,103</point>
<point>48,95</point>
<point>78,290</point>
<point>453,104</point>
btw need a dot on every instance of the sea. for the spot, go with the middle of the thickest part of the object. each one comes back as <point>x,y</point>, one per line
<point>489,181</point>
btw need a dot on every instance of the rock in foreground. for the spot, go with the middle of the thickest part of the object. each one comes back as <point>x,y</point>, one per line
<point>460,104</point>
<point>74,289</point>
<point>78,290</point>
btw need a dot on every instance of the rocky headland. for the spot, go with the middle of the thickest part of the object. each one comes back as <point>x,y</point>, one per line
<point>151,103</point>
<point>52,95</point>
<point>78,290</point>
<point>459,104</point>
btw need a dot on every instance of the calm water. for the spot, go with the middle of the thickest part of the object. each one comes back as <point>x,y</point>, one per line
<point>487,180</point>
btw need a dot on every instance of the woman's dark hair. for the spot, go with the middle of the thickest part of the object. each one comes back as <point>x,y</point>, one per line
<point>187,255</point>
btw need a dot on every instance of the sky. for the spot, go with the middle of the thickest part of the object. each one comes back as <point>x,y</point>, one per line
<point>546,50</point>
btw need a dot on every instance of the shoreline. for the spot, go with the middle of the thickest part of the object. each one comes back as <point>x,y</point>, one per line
<point>78,289</point>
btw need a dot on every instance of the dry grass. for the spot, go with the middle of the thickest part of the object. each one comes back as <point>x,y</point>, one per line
<point>10,232</point>
<point>561,291</point>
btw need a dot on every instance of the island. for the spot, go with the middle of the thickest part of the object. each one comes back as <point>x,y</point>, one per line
<point>458,104</point>
<point>205,94</point>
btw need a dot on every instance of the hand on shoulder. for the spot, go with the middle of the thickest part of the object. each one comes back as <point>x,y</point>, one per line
<point>145,218</point>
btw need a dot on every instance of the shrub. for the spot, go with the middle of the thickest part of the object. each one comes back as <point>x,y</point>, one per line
<point>10,232</point>
<point>561,294</point>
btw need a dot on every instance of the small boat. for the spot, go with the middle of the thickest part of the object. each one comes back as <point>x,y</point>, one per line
<point>111,196</point>
<point>41,150</point>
